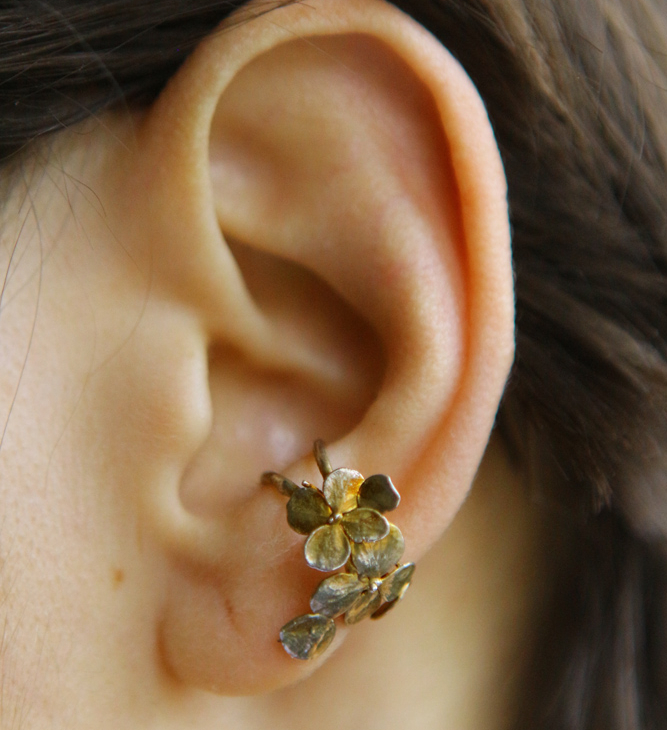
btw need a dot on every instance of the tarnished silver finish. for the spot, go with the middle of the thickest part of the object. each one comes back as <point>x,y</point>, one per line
<point>328,548</point>
<point>336,594</point>
<point>308,636</point>
<point>341,488</point>
<point>395,585</point>
<point>365,525</point>
<point>322,458</point>
<point>375,559</point>
<point>364,606</point>
<point>282,484</point>
<point>307,510</point>
<point>378,492</point>
<point>345,528</point>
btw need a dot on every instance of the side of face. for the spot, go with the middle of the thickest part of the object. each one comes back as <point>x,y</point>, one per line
<point>305,236</point>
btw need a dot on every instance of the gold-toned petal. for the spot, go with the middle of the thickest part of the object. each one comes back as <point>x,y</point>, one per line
<point>308,636</point>
<point>365,525</point>
<point>278,481</point>
<point>307,510</point>
<point>327,548</point>
<point>394,586</point>
<point>375,559</point>
<point>378,492</point>
<point>336,594</point>
<point>365,605</point>
<point>341,488</point>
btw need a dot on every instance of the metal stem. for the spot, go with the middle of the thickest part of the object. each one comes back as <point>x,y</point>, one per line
<point>322,459</point>
<point>282,484</point>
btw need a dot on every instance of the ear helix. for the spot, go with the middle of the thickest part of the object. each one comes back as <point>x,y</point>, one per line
<point>347,529</point>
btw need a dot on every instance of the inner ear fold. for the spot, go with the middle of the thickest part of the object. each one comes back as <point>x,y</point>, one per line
<point>348,357</point>
<point>330,151</point>
<point>322,142</point>
<point>264,417</point>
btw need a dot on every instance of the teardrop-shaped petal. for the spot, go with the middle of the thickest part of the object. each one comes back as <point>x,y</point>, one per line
<point>375,559</point>
<point>395,585</point>
<point>341,488</point>
<point>365,525</point>
<point>307,510</point>
<point>327,548</point>
<point>336,594</point>
<point>365,605</point>
<point>378,492</point>
<point>306,637</point>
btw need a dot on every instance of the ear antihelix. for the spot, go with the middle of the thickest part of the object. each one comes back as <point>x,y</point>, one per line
<point>346,530</point>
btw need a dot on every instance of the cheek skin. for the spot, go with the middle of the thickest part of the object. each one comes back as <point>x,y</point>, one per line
<point>97,407</point>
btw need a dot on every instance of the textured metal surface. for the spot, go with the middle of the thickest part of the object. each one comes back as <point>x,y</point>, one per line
<point>336,594</point>
<point>375,559</point>
<point>308,636</point>
<point>365,525</point>
<point>340,489</point>
<point>327,549</point>
<point>367,603</point>
<point>395,585</point>
<point>378,492</point>
<point>307,510</point>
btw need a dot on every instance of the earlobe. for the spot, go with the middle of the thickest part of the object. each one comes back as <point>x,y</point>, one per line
<point>330,206</point>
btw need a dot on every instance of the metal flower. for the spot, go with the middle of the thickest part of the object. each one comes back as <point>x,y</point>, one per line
<point>333,520</point>
<point>346,512</point>
<point>345,527</point>
<point>375,584</point>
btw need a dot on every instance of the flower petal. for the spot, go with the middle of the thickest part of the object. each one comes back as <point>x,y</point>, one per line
<point>365,525</point>
<point>327,548</point>
<point>365,605</point>
<point>384,608</point>
<point>341,488</point>
<point>375,559</point>
<point>306,637</point>
<point>307,510</point>
<point>378,492</point>
<point>394,586</point>
<point>336,594</point>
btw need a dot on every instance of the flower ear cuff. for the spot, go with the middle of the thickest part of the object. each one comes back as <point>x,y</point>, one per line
<point>347,529</point>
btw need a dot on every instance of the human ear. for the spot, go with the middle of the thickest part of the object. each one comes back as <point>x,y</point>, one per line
<point>323,206</point>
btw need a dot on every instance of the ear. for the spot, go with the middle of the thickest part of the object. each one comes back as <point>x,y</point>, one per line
<point>323,206</point>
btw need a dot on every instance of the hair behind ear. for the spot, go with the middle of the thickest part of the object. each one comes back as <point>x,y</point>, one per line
<point>584,149</point>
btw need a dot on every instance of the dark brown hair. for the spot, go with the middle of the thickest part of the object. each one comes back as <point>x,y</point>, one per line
<point>576,94</point>
<point>575,90</point>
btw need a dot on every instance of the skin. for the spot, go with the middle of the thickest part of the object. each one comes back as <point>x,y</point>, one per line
<point>300,238</point>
